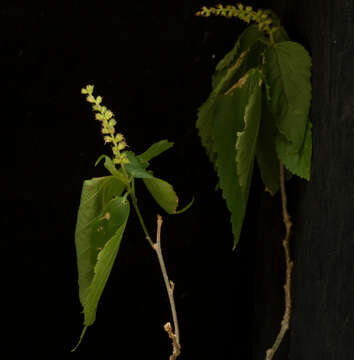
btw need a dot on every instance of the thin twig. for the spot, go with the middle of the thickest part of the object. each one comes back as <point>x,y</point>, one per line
<point>174,336</point>
<point>289,265</point>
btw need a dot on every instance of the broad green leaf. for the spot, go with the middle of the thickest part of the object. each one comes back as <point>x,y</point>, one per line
<point>155,150</point>
<point>96,194</point>
<point>106,234</point>
<point>136,167</point>
<point>247,138</point>
<point>228,77</point>
<point>164,195</point>
<point>299,163</point>
<point>287,69</point>
<point>246,40</point>
<point>267,158</point>
<point>228,120</point>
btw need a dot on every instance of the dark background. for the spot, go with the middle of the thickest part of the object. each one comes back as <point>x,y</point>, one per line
<point>152,63</point>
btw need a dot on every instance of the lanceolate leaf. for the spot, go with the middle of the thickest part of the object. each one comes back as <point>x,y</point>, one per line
<point>247,139</point>
<point>246,40</point>
<point>247,54</point>
<point>229,114</point>
<point>106,234</point>
<point>155,150</point>
<point>287,70</point>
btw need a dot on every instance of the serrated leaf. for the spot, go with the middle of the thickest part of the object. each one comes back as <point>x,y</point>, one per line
<point>287,69</point>
<point>106,234</point>
<point>164,195</point>
<point>246,40</point>
<point>95,195</point>
<point>247,138</point>
<point>155,150</point>
<point>267,158</point>
<point>136,167</point>
<point>250,58</point>
<point>229,115</point>
<point>299,163</point>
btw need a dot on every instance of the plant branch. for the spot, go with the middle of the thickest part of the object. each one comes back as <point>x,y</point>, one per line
<point>289,265</point>
<point>169,287</point>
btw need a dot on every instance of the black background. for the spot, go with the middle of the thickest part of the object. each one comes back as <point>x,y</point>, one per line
<point>152,63</point>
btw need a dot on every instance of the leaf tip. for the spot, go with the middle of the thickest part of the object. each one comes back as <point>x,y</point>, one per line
<point>81,337</point>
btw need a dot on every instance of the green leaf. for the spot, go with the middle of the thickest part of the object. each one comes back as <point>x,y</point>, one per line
<point>228,119</point>
<point>109,165</point>
<point>155,150</point>
<point>287,69</point>
<point>246,40</point>
<point>299,163</point>
<point>247,139</point>
<point>246,54</point>
<point>164,195</point>
<point>136,167</point>
<point>96,194</point>
<point>101,250</point>
<point>267,158</point>
<point>280,35</point>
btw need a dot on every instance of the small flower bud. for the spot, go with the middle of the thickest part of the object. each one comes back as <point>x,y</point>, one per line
<point>99,116</point>
<point>122,145</point>
<point>98,100</point>
<point>107,139</point>
<point>119,138</point>
<point>90,99</point>
<point>112,123</point>
<point>108,114</point>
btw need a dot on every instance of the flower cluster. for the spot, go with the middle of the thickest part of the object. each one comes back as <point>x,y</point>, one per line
<point>106,117</point>
<point>245,13</point>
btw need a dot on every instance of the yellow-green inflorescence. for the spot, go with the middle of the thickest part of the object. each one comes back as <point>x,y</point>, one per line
<point>106,117</point>
<point>245,13</point>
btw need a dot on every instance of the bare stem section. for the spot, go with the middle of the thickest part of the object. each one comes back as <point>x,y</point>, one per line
<point>289,265</point>
<point>174,336</point>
